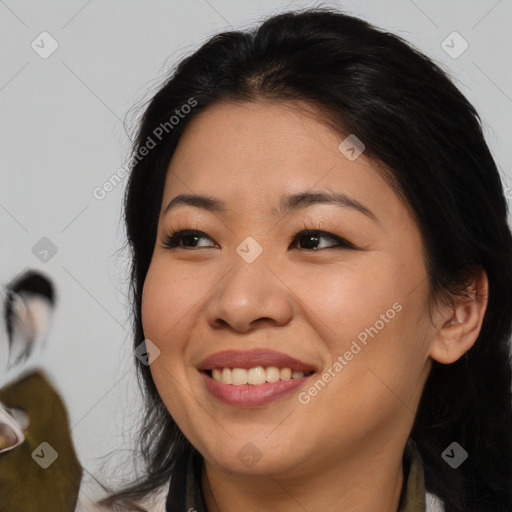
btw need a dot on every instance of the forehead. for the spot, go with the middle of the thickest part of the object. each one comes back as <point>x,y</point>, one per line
<point>251,153</point>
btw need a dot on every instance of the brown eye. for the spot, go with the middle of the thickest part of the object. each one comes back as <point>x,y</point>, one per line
<point>314,240</point>
<point>185,239</point>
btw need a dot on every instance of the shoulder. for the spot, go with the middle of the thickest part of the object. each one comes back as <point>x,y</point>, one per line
<point>433,503</point>
<point>91,493</point>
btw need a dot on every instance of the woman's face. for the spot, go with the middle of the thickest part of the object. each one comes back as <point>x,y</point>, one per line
<point>349,303</point>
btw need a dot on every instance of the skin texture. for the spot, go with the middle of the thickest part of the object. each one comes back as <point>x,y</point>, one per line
<point>310,304</point>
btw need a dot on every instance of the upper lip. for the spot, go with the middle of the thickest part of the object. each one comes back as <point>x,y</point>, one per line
<point>251,358</point>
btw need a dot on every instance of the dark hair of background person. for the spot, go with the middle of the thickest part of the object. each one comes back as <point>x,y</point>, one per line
<point>427,140</point>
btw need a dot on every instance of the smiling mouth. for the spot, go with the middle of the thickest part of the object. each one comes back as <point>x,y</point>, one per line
<point>255,376</point>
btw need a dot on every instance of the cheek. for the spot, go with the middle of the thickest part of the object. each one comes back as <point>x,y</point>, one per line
<point>342,303</point>
<point>165,303</point>
<point>374,318</point>
<point>153,302</point>
<point>165,300</point>
<point>388,371</point>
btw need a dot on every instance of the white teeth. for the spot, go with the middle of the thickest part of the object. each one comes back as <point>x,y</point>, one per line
<point>239,376</point>
<point>226,376</point>
<point>286,374</point>
<point>255,376</point>
<point>272,374</point>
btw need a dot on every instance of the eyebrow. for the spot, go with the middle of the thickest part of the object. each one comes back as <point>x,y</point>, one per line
<point>288,203</point>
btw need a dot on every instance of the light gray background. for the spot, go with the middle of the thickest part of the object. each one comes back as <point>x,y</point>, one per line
<point>62,135</point>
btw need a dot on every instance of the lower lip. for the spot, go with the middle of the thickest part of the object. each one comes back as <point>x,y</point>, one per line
<point>247,395</point>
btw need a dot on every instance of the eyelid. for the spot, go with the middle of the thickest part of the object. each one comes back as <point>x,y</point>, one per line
<point>308,225</point>
<point>178,233</point>
<point>341,242</point>
<point>173,238</point>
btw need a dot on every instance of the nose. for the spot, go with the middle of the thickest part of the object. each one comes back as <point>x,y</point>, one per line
<point>248,297</point>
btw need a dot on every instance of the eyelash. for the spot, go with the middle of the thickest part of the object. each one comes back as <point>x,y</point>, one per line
<point>173,239</point>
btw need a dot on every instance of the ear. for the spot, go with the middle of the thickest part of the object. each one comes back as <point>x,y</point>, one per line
<point>459,324</point>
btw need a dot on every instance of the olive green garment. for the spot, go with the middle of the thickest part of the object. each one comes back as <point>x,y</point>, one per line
<point>25,485</point>
<point>412,498</point>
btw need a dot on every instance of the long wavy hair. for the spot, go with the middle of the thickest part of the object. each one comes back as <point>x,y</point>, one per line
<point>426,139</point>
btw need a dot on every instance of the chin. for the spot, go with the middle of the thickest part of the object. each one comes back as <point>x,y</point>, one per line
<point>247,458</point>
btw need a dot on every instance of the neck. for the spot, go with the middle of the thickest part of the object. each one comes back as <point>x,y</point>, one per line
<point>366,482</point>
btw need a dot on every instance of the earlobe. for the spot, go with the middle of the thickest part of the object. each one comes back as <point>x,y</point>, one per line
<point>461,324</point>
